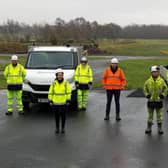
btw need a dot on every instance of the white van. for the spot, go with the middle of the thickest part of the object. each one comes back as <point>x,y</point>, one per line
<point>41,64</point>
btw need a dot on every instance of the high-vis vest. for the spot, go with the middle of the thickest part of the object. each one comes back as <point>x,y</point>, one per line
<point>83,75</point>
<point>113,81</point>
<point>15,75</point>
<point>59,93</point>
<point>155,88</point>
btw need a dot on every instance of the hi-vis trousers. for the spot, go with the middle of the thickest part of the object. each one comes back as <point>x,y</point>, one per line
<point>159,114</point>
<point>82,98</point>
<point>10,95</point>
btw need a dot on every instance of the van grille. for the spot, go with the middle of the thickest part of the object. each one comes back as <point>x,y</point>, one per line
<point>40,87</point>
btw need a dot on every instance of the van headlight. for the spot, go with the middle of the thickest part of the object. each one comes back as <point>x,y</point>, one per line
<point>26,81</point>
<point>70,80</point>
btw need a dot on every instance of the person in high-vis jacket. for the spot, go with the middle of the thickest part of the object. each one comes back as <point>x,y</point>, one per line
<point>60,97</point>
<point>155,90</point>
<point>83,82</point>
<point>14,73</point>
<point>113,82</point>
<point>167,82</point>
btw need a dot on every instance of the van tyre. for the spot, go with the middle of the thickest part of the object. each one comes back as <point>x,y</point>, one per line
<point>26,106</point>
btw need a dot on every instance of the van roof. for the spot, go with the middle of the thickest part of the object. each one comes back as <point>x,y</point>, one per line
<point>54,48</point>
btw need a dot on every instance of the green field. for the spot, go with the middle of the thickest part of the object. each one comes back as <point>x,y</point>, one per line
<point>136,72</point>
<point>134,47</point>
<point>2,67</point>
<point>7,59</point>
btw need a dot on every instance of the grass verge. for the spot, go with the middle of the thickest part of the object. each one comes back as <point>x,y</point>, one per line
<point>6,60</point>
<point>134,47</point>
<point>136,72</point>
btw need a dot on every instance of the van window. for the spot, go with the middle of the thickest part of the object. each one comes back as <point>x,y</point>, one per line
<point>50,60</point>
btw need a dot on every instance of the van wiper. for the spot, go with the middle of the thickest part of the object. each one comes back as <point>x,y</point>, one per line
<point>38,67</point>
<point>61,66</point>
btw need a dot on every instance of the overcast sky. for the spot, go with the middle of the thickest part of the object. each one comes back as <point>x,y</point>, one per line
<point>122,12</point>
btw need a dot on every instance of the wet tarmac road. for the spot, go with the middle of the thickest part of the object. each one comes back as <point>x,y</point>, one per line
<point>90,142</point>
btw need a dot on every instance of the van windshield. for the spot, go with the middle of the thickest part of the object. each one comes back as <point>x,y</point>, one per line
<point>50,60</point>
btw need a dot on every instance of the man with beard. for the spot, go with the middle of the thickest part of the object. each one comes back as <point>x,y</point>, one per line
<point>14,74</point>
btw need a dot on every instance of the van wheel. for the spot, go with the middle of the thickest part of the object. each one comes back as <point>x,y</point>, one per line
<point>74,103</point>
<point>26,106</point>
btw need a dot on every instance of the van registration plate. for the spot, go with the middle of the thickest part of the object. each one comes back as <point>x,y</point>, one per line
<point>43,100</point>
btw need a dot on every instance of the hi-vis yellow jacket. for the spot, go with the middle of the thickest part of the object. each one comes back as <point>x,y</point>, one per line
<point>14,75</point>
<point>155,88</point>
<point>83,75</point>
<point>59,93</point>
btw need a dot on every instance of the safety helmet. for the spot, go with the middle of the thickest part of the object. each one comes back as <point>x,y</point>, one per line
<point>14,57</point>
<point>84,59</point>
<point>114,61</point>
<point>154,68</point>
<point>59,70</point>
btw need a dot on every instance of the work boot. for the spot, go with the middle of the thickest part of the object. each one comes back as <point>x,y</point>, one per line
<point>106,118</point>
<point>8,113</point>
<point>57,131</point>
<point>79,109</point>
<point>160,131</point>
<point>21,112</point>
<point>118,117</point>
<point>149,128</point>
<point>84,108</point>
<point>63,131</point>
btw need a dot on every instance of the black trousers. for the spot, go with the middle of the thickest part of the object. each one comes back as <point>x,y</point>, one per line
<point>60,114</point>
<point>110,94</point>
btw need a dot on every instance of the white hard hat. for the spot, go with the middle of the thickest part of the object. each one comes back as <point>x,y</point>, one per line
<point>84,59</point>
<point>114,61</point>
<point>155,68</point>
<point>14,57</point>
<point>59,70</point>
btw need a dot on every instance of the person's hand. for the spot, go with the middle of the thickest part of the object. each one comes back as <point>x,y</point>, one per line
<point>68,102</point>
<point>76,84</point>
<point>50,102</point>
<point>161,96</point>
<point>90,84</point>
<point>148,96</point>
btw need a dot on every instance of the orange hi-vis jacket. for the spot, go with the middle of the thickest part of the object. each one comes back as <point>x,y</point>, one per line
<point>113,81</point>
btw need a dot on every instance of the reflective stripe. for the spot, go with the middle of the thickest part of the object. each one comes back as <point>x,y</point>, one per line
<point>19,74</point>
<point>117,77</point>
<point>59,94</point>
<point>13,75</point>
<point>83,83</point>
<point>83,75</point>
<point>87,70</point>
<point>15,83</point>
<point>112,85</point>
<point>10,98</point>
<point>59,103</point>
<point>79,75</point>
